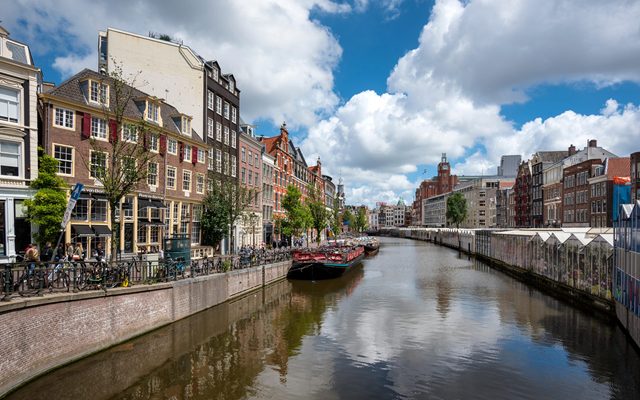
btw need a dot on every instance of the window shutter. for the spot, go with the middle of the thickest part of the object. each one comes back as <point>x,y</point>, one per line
<point>86,126</point>
<point>163,144</point>
<point>194,155</point>
<point>113,131</point>
<point>181,151</point>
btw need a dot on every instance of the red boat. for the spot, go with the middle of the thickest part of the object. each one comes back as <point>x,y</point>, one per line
<point>324,262</point>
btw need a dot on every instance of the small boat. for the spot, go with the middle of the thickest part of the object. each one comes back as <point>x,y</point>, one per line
<point>325,262</point>
<point>371,247</point>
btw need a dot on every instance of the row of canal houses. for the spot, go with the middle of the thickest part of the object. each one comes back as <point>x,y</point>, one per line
<point>183,110</point>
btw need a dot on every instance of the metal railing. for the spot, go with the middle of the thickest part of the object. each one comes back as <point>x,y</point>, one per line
<point>38,278</point>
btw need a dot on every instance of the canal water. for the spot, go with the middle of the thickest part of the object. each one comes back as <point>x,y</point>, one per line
<point>416,321</point>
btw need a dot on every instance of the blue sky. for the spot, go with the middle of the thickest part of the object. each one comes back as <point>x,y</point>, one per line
<point>379,89</point>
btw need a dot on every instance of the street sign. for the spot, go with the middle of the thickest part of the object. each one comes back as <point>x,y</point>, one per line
<point>75,195</point>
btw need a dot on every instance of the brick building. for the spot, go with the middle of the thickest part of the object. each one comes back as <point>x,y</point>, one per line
<point>576,192</point>
<point>249,227</point>
<point>522,195</point>
<point>444,182</point>
<point>601,194</point>
<point>539,161</point>
<point>168,202</point>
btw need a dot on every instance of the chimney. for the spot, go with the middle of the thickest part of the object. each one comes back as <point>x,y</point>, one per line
<point>592,143</point>
<point>572,150</point>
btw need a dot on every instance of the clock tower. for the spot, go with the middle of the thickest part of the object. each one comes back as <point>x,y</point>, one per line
<point>444,173</point>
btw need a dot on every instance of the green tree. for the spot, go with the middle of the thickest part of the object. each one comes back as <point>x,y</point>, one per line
<point>298,215</point>
<point>456,211</point>
<point>223,205</point>
<point>347,218</point>
<point>47,207</point>
<point>360,220</point>
<point>317,209</point>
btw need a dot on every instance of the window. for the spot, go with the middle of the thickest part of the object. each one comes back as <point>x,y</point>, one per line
<point>219,105</point>
<point>63,118</point>
<point>154,141</point>
<point>99,92</point>
<point>226,110</point>
<point>81,210</point>
<point>98,164</point>
<point>243,156</point>
<point>218,132</point>
<point>233,139</point>
<point>152,111</point>
<point>250,160</point>
<point>200,183</point>
<point>210,160</point>
<point>9,105</point>
<point>142,234</point>
<point>255,160</point>
<point>152,174</point>
<point>98,128</point>
<point>99,210</point>
<point>250,180</point>
<point>171,178</point>
<point>186,180</point>
<point>226,163</point>
<point>186,155</point>
<point>210,100</point>
<point>218,160</point>
<point>233,166</point>
<point>130,133</point>
<point>186,125</point>
<point>210,127</point>
<point>242,175</point>
<point>215,74</point>
<point>201,156</point>
<point>154,232</point>
<point>234,114</point>
<point>172,146</point>
<point>226,135</point>
<point>195,224</point>
<point>64,155</point>
<point>231,86</point>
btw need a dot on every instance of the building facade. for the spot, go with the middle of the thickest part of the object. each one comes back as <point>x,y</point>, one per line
<point>606,194</point>
<point>635,175</point>
<point>522,193</point>
<point>444,182</point>
<point>249,227</point>
<point>268,165</point>
<point>78,131</point>
<point>20,83</point>
<point>539,161</point>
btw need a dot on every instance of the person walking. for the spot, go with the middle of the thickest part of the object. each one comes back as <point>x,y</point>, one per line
<point>78,252</point>
<point>47,253</point>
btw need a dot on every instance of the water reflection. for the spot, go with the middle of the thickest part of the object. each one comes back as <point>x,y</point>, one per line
<point>416,321</point>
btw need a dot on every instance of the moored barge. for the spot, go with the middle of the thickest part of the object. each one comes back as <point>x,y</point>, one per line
<point>324,262</point>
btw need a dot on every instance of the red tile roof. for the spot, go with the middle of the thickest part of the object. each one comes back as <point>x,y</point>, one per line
<point>618,167</point>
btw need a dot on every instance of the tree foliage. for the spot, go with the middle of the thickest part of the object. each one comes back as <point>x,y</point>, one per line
<point>360,220</point>
<point>318,211</point>
<point>223,205</point>
<point>46,208</point>
<point>336,218</point>
<point>347,218</point>
<point>298,217</point>
<point>456,209</point>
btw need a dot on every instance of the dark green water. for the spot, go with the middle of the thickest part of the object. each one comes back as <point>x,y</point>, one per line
<point>416,321</point>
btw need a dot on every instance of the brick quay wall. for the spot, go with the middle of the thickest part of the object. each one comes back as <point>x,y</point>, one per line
<point>42,333</point>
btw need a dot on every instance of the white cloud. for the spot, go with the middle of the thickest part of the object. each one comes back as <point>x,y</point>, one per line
<point>283,59</point>
<point>473,57</point>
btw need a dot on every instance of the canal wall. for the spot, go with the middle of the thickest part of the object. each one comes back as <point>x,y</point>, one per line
<point>40,334</point>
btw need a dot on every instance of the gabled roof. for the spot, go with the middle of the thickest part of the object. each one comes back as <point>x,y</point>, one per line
<point>270,143</point>
<point>71,91</point>
<point>550,156</point>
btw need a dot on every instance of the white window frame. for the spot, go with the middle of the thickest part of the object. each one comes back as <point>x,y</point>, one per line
<point>106,162</point>
<point>102,97</point>
<point>186,156</point>
<point>233,139</point>
<point>186,173</point>
<point>200,183</point>
<point>154,142</point>
<point>234,166</point>
<point>66,115</point>
<point>211,99</point>
<point>20,159</point>
<point>218,131</point>
<point>73,161</point>
<point>210,160</point>
<point>225,110</point>
<point>18,91</point>
<point>175,177</point>
<point>219,105</point>
<point>210,127</point>
<point>234,114</point>
<point>215,74</point>
<point>226,135</point>
<point>172,146</point>
<point>152,112</point>
<point>127,137</point>
<point>185,126</point>
<point>219,161</point>
<point>151,174</point>
<point>201,155</point>
<point>99,122</point>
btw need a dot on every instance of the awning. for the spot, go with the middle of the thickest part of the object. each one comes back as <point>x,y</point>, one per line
<point>143,203</point>
<point>81,231</point>
<point>99,196</point>
<point>157,204</point>
<point>85,196</point>
<point>102,230</point>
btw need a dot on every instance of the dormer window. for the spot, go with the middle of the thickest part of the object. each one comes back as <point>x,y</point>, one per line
<point>215,74</point>
<point>153,111</point>
<point>185,126</point>
<point>232,86</point>
<point>99,92</point>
